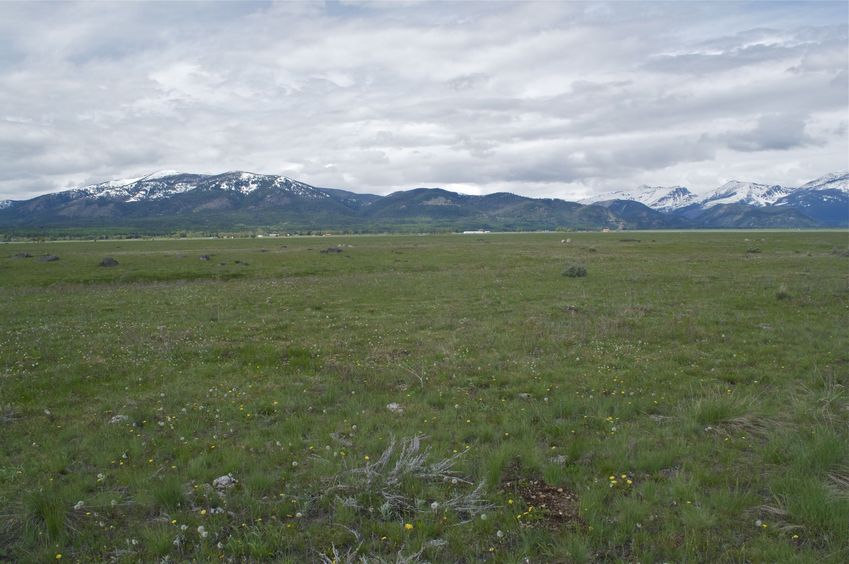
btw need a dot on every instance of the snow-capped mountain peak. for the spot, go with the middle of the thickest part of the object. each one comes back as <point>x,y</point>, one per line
<point>833,181</point>
<point>751,193</point>
<point>665,198</point>
<point>607,196</point>
<point>161,174</point>
<point>662,198</point>
<point>167,183</point>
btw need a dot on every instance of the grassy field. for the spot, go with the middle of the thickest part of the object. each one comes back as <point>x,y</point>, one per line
<point>444,398</point>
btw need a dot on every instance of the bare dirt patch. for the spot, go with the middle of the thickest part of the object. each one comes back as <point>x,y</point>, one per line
<point>546,505</point>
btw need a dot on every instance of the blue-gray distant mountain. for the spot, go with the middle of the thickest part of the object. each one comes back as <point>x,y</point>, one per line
<point>823,202</point>
<point>826,199</point>
<point>168,201</point>
<point>171,200</point>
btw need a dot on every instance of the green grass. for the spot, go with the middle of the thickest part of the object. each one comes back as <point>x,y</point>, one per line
<point>686,400</point>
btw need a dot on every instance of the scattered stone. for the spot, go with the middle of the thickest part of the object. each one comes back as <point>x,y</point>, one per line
<point>341,439</point>
<point>524,396</point>
<point>78,505</point>
<point>118,419</point>
<point>109,261</point>
<point>224,482</point>
<point>670,472</point>
<point>395,407</point>
<point>560,459</point>
<point>49,258</point>
<point>331,250</point>
<point>204,257</point>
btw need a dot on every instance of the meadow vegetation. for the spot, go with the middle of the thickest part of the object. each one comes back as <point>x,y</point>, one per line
<point>441,398</point>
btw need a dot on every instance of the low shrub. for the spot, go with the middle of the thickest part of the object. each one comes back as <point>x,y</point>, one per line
<point>575,271</point>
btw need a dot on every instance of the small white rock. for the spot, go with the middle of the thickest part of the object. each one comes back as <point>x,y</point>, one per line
<point>395,407</point>
<point>118,419</point>
<point>223,482</point>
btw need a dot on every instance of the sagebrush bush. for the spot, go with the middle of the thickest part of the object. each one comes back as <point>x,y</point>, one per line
<point>575,270</point>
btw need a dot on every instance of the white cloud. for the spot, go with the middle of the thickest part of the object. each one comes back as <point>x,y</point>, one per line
<point>548,99</point>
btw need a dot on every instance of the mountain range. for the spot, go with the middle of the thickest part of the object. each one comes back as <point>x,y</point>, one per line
<point>169,200</point>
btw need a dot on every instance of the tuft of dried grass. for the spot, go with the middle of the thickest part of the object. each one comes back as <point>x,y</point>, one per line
<point>386,482</point>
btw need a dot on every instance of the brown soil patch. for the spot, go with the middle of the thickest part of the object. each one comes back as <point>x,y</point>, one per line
<point>554,507</point>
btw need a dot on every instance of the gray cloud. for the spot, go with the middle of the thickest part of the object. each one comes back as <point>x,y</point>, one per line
<point>537,98</point>
<point>773,133</point>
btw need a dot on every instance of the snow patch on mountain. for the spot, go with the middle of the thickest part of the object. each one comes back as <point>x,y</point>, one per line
<point>5,204</point>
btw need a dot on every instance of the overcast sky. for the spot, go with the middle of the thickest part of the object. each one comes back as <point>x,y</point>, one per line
<point>541,99</point>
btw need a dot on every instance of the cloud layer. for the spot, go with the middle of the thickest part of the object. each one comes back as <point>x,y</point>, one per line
<point>544,99</point>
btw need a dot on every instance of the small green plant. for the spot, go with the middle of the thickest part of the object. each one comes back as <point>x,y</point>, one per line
<point>47,512</point>
<point>575,271</point>
<point>168,494</point>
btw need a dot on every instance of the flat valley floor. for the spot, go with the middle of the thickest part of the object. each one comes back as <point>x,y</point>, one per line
<point>450,398</point>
